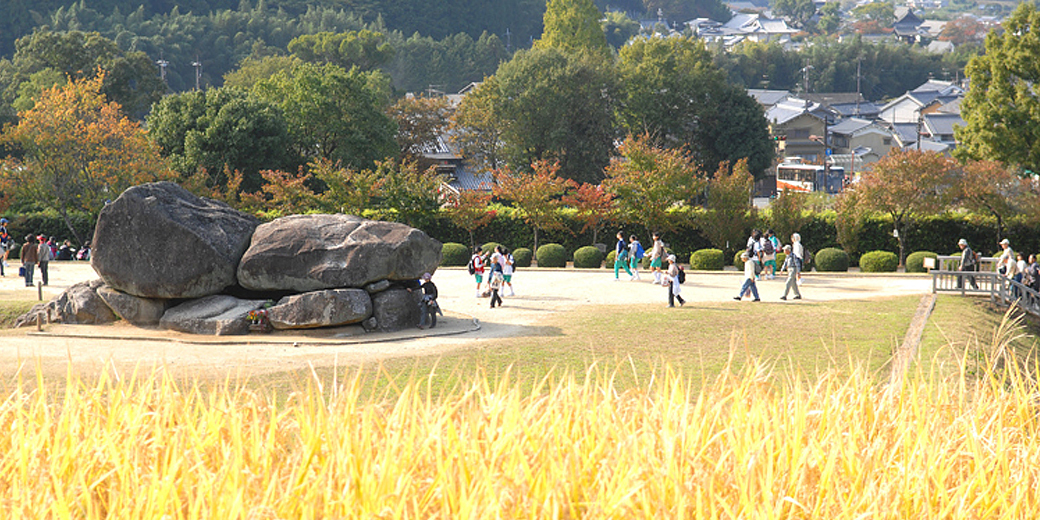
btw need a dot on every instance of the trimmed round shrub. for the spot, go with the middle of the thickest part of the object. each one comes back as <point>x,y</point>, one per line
<point>737,262</point>
<point>781,257</point>
<point>609,260</point>
<point>707,260</point>
<point>522,257</point>
<point>832,259</point>
<point>879,262</point>
<point>588,257</point>
<point>454,254</point>
<point>490,247</point>
<point>915,262</point>
<point>551,255</point>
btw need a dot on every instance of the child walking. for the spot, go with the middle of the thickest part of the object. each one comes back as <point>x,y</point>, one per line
<point>749,278</point>
<point>674,281</point>
<point>496,286</point>
<point>793,266</point>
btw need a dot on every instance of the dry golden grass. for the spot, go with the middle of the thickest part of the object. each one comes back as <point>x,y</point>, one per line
<point>750,444</point>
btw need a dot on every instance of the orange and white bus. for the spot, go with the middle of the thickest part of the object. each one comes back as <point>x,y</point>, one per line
<point>807,178</point>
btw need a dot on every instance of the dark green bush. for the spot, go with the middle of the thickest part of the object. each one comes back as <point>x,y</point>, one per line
<point>781,257</point>
<point>707,260</point>
<point>522,257</point>
<point>454,254</point>
<point>879,262</point>
<point>737,262</point>
<point>609,259</point>
<point>915,262</point>
<point>551,255</point>
<point>832,259</point>
<point>588,257</point>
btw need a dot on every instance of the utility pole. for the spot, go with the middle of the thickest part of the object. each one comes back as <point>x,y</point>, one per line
<point>509,40</point>
<point>859,94</point>
<point>162,67</point>
<point>198,71</point>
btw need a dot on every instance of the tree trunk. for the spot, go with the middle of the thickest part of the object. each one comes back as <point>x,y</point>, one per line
<point>535,240</point>
<point>472,243</point>
<point>902,244</point>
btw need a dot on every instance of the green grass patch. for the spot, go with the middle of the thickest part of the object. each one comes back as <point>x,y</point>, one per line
<point>700,340</point>
<point>962,330</point>
<point>10,310</point>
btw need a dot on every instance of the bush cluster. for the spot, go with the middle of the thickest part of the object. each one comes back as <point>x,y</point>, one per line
<point>551,255</point>
<point>522,257</point>
<point>879,262</point>
<point>707,260</point>
<point>454,254</point>
<point>915,261</point>
<point>832,259</point>
<point>588,257</point>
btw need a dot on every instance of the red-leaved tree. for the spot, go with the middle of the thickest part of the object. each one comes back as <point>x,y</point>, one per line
<point>594,207</point>
<point>537,194</point>
<point>468,210</point>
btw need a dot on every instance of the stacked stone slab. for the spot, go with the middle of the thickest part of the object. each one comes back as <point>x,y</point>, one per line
<point>169,258</point>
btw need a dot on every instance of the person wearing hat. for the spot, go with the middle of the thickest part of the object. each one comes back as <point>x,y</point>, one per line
<point>1006,263</point>
<point>674,287</point>
<point>749,278</point>
<point>428,307</point>
<point>43,258</point>
<point>793,266</point>
<point>969,262</point>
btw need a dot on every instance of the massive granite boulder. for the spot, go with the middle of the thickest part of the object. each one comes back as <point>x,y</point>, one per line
<point>396,309</point>
<point>328,308</point>
<point>79,304</point>
<point>219,315</point>
<point>305,253</point>
<point>160,241</point>
<point>141,312</point>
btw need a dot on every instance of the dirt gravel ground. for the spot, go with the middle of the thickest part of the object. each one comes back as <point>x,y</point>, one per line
<point>469,322</point>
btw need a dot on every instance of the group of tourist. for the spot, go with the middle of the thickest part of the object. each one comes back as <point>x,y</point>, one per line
<point>499,265</point>
<point>37,252</point>
<point>760,263</point>
<point>1015,266</point>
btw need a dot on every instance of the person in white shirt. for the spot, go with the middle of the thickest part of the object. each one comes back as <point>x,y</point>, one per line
<point>749,278</point>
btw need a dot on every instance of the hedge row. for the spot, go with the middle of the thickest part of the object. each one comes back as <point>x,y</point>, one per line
<point>938,233</point>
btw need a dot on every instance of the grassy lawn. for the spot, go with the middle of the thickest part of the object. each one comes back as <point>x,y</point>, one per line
<point>10,310</point>
<point>698,340</point>
<point>961,326</point>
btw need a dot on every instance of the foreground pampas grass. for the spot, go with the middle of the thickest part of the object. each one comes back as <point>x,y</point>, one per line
<point>747,445</point>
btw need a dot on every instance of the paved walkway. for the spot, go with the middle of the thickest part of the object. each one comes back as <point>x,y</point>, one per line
<point>540,294</point>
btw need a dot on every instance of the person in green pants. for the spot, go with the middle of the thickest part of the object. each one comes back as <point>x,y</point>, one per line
<point>621,256</point>
<point>635,255</point>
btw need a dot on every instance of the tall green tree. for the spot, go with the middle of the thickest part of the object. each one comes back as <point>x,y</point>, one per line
<point>46,58</point>
<point>674,92</point>
<point>218,129</point>
<point>798,11</point>
<point>364,49</point>
<point>619,28</point>
<point>684,10</point>
<point>78,150</point>
<point>573,26</point>
<point>332,113</point>
<point>728,214</point>
<point>1002,110</point>
<point>560,106</point>
<point>478,127</point>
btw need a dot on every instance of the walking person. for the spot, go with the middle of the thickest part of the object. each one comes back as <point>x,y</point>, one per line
<point>29,257</point>
<point>1033,273</point>
<point>674,279</point>
<point>621,256</point>
<point>793,266</point>
<point>635,255</point>
<point>770,246</point>
<point>797,249</point>
<point>656,256</point>
<point>44,256</point>
<point>507,270</point>
<point>969,262</point>
<point>496,286</point>
<point>749,278</point>
<point>1020,273</point>
<point>476,264</point>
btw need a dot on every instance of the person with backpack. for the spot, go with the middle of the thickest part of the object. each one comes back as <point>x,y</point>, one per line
<point>675,277</point>
<point>635,255</point>
<point>656,257</point>
<point>621,256</point>
<point>969,262</point>
<point>476,267</point>
<point>770,246</point>
<point>507,270</point>
<point>793,266</point>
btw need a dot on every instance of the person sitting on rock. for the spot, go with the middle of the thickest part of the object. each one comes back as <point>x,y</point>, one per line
<point>428,307</point>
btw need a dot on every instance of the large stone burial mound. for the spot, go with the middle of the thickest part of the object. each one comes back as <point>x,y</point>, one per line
<point>160,241</point>
<point>170,259</point>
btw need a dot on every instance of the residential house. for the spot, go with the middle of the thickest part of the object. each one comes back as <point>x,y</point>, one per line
<point>906,25</point>
<point>768,98</point>
<point>845,104</point>
<point>800,125</point>
<point>856,142</point>
<point>742,27</point>
<point>938,127</point>
<point>927,98</point>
